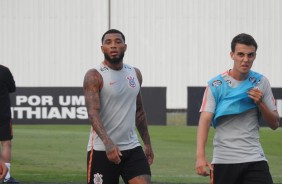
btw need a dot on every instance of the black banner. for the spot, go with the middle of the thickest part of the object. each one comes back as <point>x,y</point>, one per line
<point>154,99</point>
<point>195,96</point>
<point>194,102</point>
<point>66,105</point>
<point>48,105</point>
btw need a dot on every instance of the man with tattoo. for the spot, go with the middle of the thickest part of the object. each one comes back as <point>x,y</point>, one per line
<point>114,105</point>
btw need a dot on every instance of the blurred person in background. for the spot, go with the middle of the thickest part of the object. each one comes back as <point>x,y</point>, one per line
<point>7,86</point>
<point>233,104</point>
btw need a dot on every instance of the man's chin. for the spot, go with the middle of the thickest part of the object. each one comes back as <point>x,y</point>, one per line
<point>115,61</point>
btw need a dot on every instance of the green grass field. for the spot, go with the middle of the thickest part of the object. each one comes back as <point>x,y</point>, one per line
<point>57,153</point>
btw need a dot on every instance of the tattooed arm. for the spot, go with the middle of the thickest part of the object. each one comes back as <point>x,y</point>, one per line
<point>141,123</point>
<point>93,83</point>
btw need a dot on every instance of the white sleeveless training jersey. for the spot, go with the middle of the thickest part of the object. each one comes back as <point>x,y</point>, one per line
<point>118,107</point>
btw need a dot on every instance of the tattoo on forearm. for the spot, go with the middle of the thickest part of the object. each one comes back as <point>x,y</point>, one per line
<point>91,86</point>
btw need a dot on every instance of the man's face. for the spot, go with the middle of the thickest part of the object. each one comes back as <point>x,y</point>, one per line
<point>113,48</point>
<point>243,57</point>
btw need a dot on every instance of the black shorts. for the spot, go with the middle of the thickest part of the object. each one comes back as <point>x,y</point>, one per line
<point>133,163</point>
<point>6,130</point>
<point>243,173</point>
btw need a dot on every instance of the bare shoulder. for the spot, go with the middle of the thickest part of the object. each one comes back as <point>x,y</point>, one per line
<point>139,75</point>
<point>92,79</point>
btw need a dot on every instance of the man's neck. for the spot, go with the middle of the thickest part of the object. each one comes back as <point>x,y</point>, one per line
<point>113,66</point>
<point>238,76</point>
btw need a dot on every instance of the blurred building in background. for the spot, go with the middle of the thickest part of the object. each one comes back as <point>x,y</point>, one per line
<point>175,43</point>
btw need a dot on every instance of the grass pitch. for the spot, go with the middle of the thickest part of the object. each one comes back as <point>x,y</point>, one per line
<point>57,153</point>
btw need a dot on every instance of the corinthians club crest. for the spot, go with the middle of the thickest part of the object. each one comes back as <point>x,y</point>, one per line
<point>131,81</point>
<point>98,178</point>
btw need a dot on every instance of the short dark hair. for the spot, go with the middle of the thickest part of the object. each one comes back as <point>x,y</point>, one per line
<point>113,31</point>
<point>245,39</point>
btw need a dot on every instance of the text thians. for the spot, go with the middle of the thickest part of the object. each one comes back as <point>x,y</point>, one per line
<point>46,107</point>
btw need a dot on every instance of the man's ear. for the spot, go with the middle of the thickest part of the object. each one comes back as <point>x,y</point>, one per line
<point>232,55</point>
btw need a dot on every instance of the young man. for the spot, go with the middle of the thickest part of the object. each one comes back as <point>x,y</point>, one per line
<point>233,103</point>
<point>7,85</point>
<point>115,108</point>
